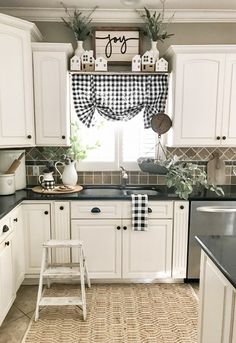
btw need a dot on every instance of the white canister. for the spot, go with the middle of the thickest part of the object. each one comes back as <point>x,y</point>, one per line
<point>7,184</point>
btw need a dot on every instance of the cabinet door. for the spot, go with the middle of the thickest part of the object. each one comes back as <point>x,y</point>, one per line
<point>7,293</point>
<point>18,247</point>
<point>61,230</point>
<point>229,108</point>
<point>147,254</point>
<point>102,244</point>
<point>37,231</point>
<point>198,99</point>
<point>180,239</point>
<point>51,98</point>
<point>16,88</point>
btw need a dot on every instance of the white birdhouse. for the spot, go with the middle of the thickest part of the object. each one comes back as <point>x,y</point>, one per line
<point>162,65</point>
<point>148,61</point>
<point>75,63</point>
<point>136,63</point>
<point>100,64</point>
<point>87,61</point>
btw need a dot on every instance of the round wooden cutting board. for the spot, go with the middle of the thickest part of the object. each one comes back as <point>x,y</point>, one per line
<point>57,190</point>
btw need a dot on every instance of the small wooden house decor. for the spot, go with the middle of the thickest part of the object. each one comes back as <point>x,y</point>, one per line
<point>75,63</point>
<point>100,64</point>
<point>148,61</point>
<point>136,63</point>
<point>87,61</point>
<point>162,65</point>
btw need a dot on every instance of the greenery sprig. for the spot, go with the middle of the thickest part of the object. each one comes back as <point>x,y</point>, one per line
<point>79,23</point>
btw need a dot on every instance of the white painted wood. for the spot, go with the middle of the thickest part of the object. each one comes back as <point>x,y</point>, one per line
<point>180,239</point>
<point>52,113</point>
<point>60,271</point>
<point>61,229</point>
<point>16,88</point>
<point>61,301</point>
<point>7,289</point>
<point>5,221</point>
<point>160,209</point>
<point>37,231</point>
<point>102,246</point>
<point>108,209</point>
<point>147,254</point>
<point>229,107</point>
<point>18,243</point>
<point>233,333</point>
<point>216,313</point>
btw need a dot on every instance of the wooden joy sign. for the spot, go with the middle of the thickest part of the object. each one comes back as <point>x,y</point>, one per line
<point>116,45</point>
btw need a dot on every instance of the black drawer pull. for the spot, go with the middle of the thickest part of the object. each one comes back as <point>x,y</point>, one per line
<point>29,136</point>
<point>125,227</point>
<point>149,210</point>
<point>15,220</point>
<point>61,208</point>
<point>95,210</point>
<point>5,228</point>
<point>46,212</point>
<point>181,207</point>
<point>118,227</point>
<point>224,138</point>
<point>7,243</point>
<point>63,137</point>
<point>218,138</point>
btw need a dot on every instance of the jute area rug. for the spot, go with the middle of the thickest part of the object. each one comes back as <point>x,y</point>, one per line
<point>120,313</point>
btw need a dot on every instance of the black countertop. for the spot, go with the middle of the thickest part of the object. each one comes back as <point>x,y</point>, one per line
<point>222,251</point>
<point>8,202</point>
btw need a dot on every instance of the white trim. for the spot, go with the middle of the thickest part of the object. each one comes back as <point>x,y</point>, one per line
<point>107,16</point>
<point>55,47</point>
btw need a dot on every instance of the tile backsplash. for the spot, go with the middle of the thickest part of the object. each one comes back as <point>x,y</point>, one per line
<point>38,156</point>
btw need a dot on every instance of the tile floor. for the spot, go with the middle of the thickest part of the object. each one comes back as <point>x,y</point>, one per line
<point>18,318</point>
<point>16,322</point>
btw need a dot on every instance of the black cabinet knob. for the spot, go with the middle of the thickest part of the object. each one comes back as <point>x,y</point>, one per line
<point>7,243</point>
<point>181,207</point>
<point>5,228</point>
<point>63,137</point>
<point>118,227</point>
<point>95,210</point>
<point>61,208</point>
<point>125,227</point>
<point>29,136</point>
<point>149,210</point>
<point>15,220</point>
<point>218,138</point>
<point>224,138</point>
<point>46,212</point>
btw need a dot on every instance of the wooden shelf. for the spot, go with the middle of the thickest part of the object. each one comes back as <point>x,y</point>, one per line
<point>115,73</point>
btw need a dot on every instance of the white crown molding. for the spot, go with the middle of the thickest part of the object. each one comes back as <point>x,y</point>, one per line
<point>58,47</point>
<point>126,16</point>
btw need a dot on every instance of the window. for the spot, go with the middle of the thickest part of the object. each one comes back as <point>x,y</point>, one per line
<point>121,143</point>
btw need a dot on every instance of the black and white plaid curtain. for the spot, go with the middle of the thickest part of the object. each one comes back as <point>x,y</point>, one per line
<point>118,97</point>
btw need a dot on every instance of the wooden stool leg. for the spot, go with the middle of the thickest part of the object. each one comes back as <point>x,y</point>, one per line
<point>82,285</point>
<point>48,256</point>
<point>86,269</point>
<point>40,283</point>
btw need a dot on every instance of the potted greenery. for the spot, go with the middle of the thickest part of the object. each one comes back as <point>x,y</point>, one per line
<point>155,28</point>
<point>80,25</point>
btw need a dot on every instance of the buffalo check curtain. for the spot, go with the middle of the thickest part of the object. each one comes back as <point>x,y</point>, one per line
<point>118,97</point>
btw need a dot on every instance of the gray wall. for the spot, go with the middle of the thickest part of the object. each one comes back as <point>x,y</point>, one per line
<point>197,33</point>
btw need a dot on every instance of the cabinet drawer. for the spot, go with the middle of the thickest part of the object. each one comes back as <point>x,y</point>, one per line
<point>96,209</point>
<point>158,209</point>
<point>5,227</point>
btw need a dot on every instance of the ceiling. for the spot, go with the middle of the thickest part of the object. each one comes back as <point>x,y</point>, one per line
<point>115,11</point>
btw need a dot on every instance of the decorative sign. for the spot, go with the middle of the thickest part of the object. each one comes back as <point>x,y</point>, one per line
<point>118,46</point>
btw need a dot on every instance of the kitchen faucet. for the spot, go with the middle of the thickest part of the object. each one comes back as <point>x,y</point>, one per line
<point>124,177</point>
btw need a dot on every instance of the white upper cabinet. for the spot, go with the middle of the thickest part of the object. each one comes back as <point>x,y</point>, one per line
<point>16,85</point>
<point>52,113</point>
<point>201,100</point>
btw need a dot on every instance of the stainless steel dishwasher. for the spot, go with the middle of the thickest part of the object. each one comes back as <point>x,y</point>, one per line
<point>208,218</point>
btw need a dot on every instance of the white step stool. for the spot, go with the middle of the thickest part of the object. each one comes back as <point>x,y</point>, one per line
<point>64,270</point>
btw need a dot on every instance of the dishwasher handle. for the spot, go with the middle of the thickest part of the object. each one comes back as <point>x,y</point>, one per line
<point>217,209</point>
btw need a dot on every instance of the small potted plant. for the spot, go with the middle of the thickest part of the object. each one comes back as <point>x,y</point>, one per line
<point>80,25</point>
<point>155,28</point>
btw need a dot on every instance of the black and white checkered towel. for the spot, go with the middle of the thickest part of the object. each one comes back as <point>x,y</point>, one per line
<point>139,212</point>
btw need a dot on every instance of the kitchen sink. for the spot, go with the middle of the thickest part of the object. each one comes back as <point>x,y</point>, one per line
<point>103,191</point>
<point>141,191</point>
<point>118,191</point>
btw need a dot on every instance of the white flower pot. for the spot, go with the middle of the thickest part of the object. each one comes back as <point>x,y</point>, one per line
<point>155,50</point>
<point>79,50</point>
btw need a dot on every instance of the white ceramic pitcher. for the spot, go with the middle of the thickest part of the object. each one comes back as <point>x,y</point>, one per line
<point>69,176</point>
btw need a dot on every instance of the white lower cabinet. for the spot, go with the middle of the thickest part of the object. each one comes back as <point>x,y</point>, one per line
<point>18,246</point>
<point>217,305</point>
<point>7,289</point>
<point>37,224</point>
